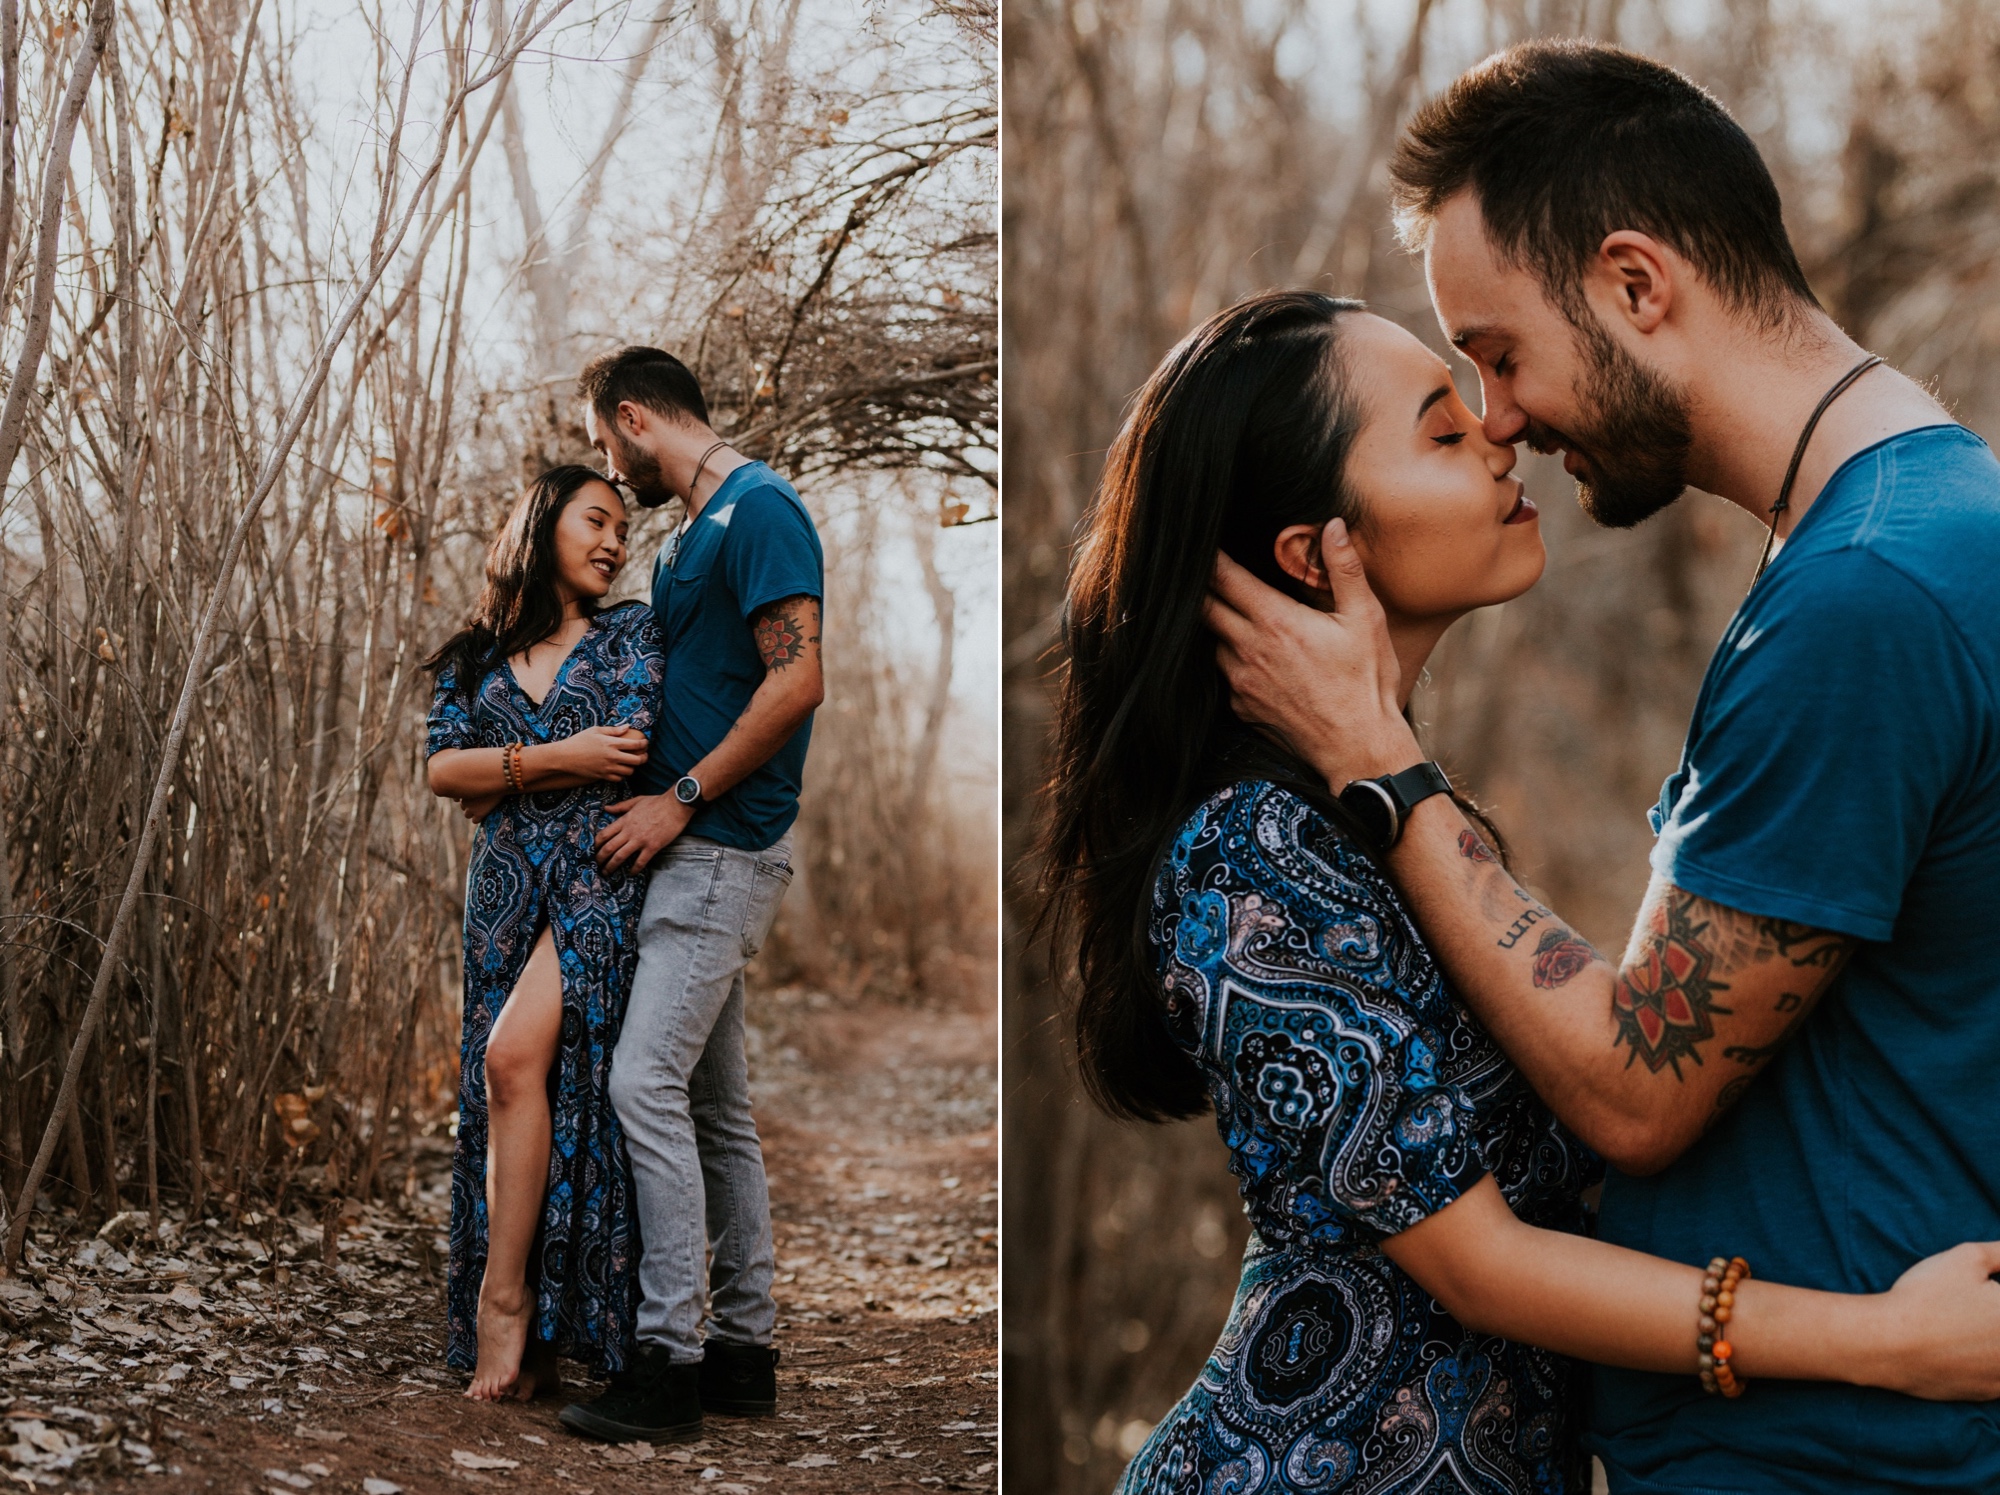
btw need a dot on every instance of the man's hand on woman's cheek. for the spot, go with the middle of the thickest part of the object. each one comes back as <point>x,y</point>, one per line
<point>1328,683</point>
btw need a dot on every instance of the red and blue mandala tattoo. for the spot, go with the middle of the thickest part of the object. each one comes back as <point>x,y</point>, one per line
<point>784,629</point>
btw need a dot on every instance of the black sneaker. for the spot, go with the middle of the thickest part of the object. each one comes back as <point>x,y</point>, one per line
<point>652,1400</point>
<point>739,1380</point>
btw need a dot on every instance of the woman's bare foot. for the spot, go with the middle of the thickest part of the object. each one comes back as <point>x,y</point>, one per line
<point>503,1340</point>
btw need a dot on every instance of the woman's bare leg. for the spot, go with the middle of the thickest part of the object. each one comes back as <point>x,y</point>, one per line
<point>519,1052</point>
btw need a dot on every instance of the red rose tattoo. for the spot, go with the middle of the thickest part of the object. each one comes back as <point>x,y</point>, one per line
<point>1473,849</point>
<point>1559,955</point>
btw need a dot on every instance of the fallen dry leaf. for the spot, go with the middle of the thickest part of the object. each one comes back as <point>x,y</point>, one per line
<point>626,1453</point>
<point>466,1460</point>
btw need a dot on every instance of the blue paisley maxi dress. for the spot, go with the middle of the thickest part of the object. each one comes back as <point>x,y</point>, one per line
<point>533,863</point>
<point>1356,1097</point>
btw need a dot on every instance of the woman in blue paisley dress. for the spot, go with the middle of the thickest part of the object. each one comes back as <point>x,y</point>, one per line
<point>543,703</point>
<point>1418,1273</point>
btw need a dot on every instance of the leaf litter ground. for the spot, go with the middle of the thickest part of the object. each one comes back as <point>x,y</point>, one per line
<point>212,1358</point>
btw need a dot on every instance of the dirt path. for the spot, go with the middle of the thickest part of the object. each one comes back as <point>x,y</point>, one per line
<point>241,1360</point>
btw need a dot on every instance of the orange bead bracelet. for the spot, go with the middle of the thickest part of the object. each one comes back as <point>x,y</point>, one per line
<point>1718,1306</point>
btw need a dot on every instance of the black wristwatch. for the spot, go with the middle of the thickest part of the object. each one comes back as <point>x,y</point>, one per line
<point>1382,806</point>
<point>687,789</point>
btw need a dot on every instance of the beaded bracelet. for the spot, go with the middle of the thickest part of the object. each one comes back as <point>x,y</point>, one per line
<point>1718,1306</point>
<point>510,767</point>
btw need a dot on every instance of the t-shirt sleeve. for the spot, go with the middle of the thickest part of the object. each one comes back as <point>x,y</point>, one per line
<point>450,723</point>
<point>1326,1058</point>
<point>771,551</point>
<point>1841,718</point>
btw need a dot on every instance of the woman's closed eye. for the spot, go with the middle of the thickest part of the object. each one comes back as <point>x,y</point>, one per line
<point>1450,438</point>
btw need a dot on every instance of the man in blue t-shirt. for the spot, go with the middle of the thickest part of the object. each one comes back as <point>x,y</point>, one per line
<point>736,595</point>
<point>1794,1060</point>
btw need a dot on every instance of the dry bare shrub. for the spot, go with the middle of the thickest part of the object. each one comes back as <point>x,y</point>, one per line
<point>284,1012</point>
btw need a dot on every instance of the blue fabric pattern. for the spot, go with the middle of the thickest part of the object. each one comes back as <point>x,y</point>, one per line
<point>1356,1097</point>
<point>533,863</point>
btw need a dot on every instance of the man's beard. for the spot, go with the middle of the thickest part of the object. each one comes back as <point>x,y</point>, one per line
<point>641,471</point>
<point>1632,438</point>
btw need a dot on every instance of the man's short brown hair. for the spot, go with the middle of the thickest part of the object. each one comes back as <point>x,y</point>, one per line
<point>645,376</point>
<point>1564,142</point>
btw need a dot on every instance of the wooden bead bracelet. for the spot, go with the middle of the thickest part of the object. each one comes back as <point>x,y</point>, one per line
<point>1718,1306</point>
<point>510,766</point>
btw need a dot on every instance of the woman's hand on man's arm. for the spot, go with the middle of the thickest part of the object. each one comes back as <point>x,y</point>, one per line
<point>475,776</point>
<point>592,755</point>
<point>1935,1334</point>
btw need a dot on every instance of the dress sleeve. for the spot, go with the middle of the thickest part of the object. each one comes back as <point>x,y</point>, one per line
<point>450,724</point>
<point>1314,998</point>
<point>642,670</point>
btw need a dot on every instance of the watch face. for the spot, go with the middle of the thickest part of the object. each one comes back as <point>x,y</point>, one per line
<point>687,791</point>
<point>1369,804</point>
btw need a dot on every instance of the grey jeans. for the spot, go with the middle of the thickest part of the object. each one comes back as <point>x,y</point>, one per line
<point>681,1087</point>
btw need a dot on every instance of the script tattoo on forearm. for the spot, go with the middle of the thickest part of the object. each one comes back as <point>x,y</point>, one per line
<point>1522,925</point>
<point>1664,1002</point>
<point>785,630</point>
<point>1558,954</point>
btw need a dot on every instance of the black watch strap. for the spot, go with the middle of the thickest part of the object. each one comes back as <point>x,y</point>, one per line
<point>1401,793</point>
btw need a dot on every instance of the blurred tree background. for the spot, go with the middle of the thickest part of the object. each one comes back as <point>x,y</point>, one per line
<point>1165,157</point>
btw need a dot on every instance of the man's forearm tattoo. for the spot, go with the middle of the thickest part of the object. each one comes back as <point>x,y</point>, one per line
<point>1755,1056</point>
<point>1522,925</point>
<point>1559,955</point>
<point>1806,948</point>
<point>785,630</point>
<point>1799,1006</point>
<point>1664,1003</point>
<point>1728,1096</point>
<point>1801,944</point>
<point>1473,849</point>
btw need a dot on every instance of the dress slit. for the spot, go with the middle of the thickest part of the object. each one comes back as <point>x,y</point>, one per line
<point>533,865</point>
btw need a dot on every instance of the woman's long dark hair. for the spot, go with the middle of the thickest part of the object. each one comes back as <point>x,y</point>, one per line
<point>1243,430</point>
<point>519,606</point>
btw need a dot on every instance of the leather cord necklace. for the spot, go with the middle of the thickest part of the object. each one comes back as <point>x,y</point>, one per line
<point>687,506</point>
<point>1798,454</point>
<point>695,481</point>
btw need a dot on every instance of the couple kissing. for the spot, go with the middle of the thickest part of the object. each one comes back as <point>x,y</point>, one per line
<point>1277,908</point>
